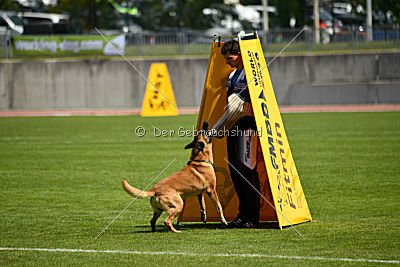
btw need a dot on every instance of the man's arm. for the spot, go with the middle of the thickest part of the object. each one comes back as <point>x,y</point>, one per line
<point>235,110</point>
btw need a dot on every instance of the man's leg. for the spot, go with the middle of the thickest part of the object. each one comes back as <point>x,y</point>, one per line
<point>237,180</point>
<point>249,199</point>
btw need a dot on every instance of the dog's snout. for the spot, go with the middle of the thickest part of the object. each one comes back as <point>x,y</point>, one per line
<point>200,146</point>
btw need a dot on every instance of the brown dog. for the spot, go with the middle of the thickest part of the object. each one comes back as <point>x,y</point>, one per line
<point>196,177</point>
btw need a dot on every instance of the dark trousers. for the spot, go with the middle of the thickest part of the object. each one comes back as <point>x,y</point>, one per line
<point>249,199</point>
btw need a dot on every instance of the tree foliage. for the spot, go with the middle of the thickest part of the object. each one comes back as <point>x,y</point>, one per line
<point>157,14</point>
<point>88,14</point>
<point>188,14</point>
<point>8,5</point>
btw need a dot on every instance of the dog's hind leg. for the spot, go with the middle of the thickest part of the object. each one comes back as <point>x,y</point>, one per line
<point>214,198</point>
<point>202,208</point>
<point>169,220</point>
<point>173,206</point>
<point>156,214</point>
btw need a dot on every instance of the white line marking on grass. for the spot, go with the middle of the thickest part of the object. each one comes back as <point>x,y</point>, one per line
<point>191,254</point>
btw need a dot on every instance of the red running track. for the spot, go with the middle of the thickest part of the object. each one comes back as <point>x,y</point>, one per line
<point>283,109</point>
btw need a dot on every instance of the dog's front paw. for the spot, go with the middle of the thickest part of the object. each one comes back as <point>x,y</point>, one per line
<point>203,217</point>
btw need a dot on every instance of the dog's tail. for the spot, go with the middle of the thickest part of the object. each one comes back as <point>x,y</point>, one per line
<point>136,192</point>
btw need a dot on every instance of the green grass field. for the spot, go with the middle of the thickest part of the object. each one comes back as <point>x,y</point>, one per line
<point>61,185</point>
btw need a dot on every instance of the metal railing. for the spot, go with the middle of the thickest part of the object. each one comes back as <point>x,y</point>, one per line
<point>348,38</point>
<point>273,41</point>
<point>5,45</point>
<point>168,43</point>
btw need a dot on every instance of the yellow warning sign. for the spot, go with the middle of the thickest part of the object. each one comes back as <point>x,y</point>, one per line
<point>159,98</point>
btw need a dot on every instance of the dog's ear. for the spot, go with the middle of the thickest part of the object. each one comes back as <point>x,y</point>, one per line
<point>200,146</point>
<point>205,125</point>
<point>190,145</point>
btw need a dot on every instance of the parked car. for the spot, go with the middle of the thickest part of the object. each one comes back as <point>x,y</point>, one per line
<point>328,24</point>
<point>32,23</point>
<point>11,23</point>
<point>46,23</point>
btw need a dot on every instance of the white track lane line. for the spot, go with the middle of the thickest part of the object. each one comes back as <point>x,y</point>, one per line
<point>190,254</point>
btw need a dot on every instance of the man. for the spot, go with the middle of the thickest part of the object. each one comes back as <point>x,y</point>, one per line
<point>237,122</point>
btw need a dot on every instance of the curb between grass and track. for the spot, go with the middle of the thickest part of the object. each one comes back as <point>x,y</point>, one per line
<point>119,112</point>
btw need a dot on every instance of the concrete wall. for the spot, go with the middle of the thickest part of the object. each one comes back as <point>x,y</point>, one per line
<point>92,84</point>
<point>109,84</point>
<point>337,79</point>
<point>345,93</point>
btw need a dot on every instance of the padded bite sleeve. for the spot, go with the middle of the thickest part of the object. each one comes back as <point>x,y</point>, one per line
<point>235,110</point>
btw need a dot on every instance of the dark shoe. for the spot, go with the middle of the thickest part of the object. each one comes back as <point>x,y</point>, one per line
<point>236,223</point>
<point>240,223</point>
<point>248,225</point>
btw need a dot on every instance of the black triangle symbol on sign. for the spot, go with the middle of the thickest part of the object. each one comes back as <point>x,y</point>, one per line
<point>262,95</point>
